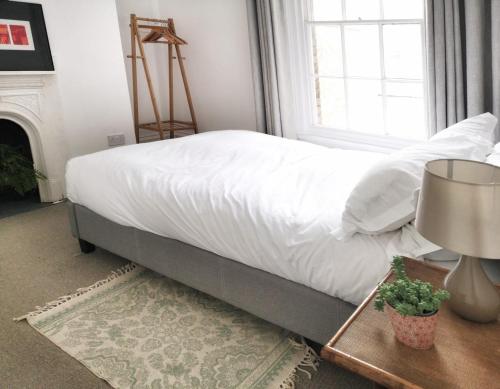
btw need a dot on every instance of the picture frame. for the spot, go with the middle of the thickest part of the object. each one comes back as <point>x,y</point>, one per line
<point>24,43</point>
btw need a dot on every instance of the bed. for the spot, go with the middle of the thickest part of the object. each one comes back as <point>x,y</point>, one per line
<point>242,216</point>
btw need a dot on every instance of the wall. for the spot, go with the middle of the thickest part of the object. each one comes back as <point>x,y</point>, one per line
<point>217,59</point>
<point>86,41</point>
<point>90,74</point>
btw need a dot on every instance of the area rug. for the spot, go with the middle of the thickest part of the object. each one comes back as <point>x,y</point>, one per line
<point>138,329</point>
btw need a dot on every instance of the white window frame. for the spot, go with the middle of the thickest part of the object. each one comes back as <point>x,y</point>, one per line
<point>341,137</point>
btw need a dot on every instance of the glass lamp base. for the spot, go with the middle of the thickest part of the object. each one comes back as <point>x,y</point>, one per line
<point>473,295</point>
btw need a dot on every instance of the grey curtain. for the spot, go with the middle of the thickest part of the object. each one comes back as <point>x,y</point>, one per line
<point>266,23</point>
<point>463,53</point>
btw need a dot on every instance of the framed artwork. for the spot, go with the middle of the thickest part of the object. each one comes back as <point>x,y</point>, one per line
<point>24,45</point>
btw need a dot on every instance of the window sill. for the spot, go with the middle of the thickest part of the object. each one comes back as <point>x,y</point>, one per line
<point>354,140</point>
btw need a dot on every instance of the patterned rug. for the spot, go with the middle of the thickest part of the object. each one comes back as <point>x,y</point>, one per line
<point>138,329</point>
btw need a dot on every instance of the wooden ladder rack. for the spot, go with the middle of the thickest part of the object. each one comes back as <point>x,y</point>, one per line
<point>159,31</point>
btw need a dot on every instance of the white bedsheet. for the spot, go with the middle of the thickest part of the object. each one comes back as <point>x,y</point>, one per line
<point>261,200</point>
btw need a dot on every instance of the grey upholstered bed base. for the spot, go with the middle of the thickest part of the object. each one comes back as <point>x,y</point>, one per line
<point>295,307</point>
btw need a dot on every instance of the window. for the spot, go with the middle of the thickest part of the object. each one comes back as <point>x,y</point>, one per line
<point>367,66</point>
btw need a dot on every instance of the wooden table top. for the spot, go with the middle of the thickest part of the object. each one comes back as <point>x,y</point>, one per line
<point>465,354</point>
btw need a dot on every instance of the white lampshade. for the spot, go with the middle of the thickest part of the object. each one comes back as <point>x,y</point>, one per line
<point>459,207</point>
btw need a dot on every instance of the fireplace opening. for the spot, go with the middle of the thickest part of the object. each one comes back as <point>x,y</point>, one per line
<point>14,135</point>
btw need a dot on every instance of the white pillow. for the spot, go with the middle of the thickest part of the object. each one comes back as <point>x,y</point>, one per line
<point>385,198</point>
<point>478,131</point>
<point>494,158</point>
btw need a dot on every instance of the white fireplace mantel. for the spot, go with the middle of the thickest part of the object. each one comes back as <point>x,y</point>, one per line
<point>31,100</point>
<point>26,72</point>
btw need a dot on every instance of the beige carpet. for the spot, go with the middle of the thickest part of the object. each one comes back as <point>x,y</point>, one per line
<point>40,261</point>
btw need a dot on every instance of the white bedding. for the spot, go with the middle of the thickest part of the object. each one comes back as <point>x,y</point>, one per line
<point>261,200</point>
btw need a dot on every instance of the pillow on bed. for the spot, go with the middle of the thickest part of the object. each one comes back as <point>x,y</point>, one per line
<point>494,158</point>
<point>385,198</point>
<point>477,131</point>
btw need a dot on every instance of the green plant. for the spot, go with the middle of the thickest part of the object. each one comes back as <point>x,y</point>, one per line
<point>17,171</point>
<point>408,297</point>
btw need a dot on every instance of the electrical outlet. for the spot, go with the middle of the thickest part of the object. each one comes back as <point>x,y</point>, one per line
<point>116,140</point>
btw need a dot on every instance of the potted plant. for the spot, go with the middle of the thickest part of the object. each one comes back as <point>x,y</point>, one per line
<point>17,171</point>
<point>412,307</point>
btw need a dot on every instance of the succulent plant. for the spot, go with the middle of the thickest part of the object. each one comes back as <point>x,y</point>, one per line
<point>409,297</point>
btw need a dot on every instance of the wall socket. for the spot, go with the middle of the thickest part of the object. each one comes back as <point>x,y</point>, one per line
<point>116,140</point>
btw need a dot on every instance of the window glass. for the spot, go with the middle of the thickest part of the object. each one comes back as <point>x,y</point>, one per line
<point>403,9</point>
<point>405,110</point>
<point>327,10</point>
<point>403,51</point>
<point>328,45</point>
<point>362,9</point>
<point>362,51</point>
<point>332,105</point>
<point>364,106</point>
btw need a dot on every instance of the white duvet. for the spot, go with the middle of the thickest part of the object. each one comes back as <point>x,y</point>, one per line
<point>267,202</point>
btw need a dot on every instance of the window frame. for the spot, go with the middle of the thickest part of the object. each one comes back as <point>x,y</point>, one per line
<point>350,138</point>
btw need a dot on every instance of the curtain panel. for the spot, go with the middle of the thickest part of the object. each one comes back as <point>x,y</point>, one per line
<point>463,60</point>
<point>272,41</point>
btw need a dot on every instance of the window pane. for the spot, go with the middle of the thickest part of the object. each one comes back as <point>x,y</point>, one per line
<point>365,106</point>
<point>331,102</point>
<point>404,89</point>
<point>403,51</point>
<point>328,45</point>
<point>362,9</point>
<point>405,110</point>
<point>362,51</point>
<point>327,9</point>
<point>403,9</point>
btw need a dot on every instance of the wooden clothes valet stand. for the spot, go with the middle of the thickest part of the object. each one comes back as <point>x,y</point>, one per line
<point>161,32</point>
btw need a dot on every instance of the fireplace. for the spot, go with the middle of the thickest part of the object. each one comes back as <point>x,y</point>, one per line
<point>31,102</point>
<point>13,135</point>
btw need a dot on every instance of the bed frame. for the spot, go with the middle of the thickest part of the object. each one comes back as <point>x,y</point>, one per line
<point>298,308</point>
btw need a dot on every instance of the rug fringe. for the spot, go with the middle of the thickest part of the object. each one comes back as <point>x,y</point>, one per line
<point>61,300</point>
<point>310,359</point>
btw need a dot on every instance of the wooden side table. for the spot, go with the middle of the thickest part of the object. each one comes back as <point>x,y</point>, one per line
<point>465,354</point>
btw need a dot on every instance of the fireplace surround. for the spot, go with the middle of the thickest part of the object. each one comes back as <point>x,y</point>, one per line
<point>31,100</point>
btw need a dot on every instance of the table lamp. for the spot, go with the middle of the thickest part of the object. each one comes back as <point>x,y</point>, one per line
<point>459,209</point>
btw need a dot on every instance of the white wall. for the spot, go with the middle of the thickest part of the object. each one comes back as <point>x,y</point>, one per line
<point>90,73</point>
<point>86,39</point>
<point>217,59</point>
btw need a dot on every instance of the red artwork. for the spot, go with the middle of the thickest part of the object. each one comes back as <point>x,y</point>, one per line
<point>19,36</point>
<point>4,35</point>
<point>16,35</point>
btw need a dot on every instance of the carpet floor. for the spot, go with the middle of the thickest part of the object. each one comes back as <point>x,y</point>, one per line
<point>41,261</point>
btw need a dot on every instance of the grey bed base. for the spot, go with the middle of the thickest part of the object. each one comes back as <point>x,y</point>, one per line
<point>293,306</point>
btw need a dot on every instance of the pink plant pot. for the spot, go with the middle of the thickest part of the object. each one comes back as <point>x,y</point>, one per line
<point>414,331</point>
